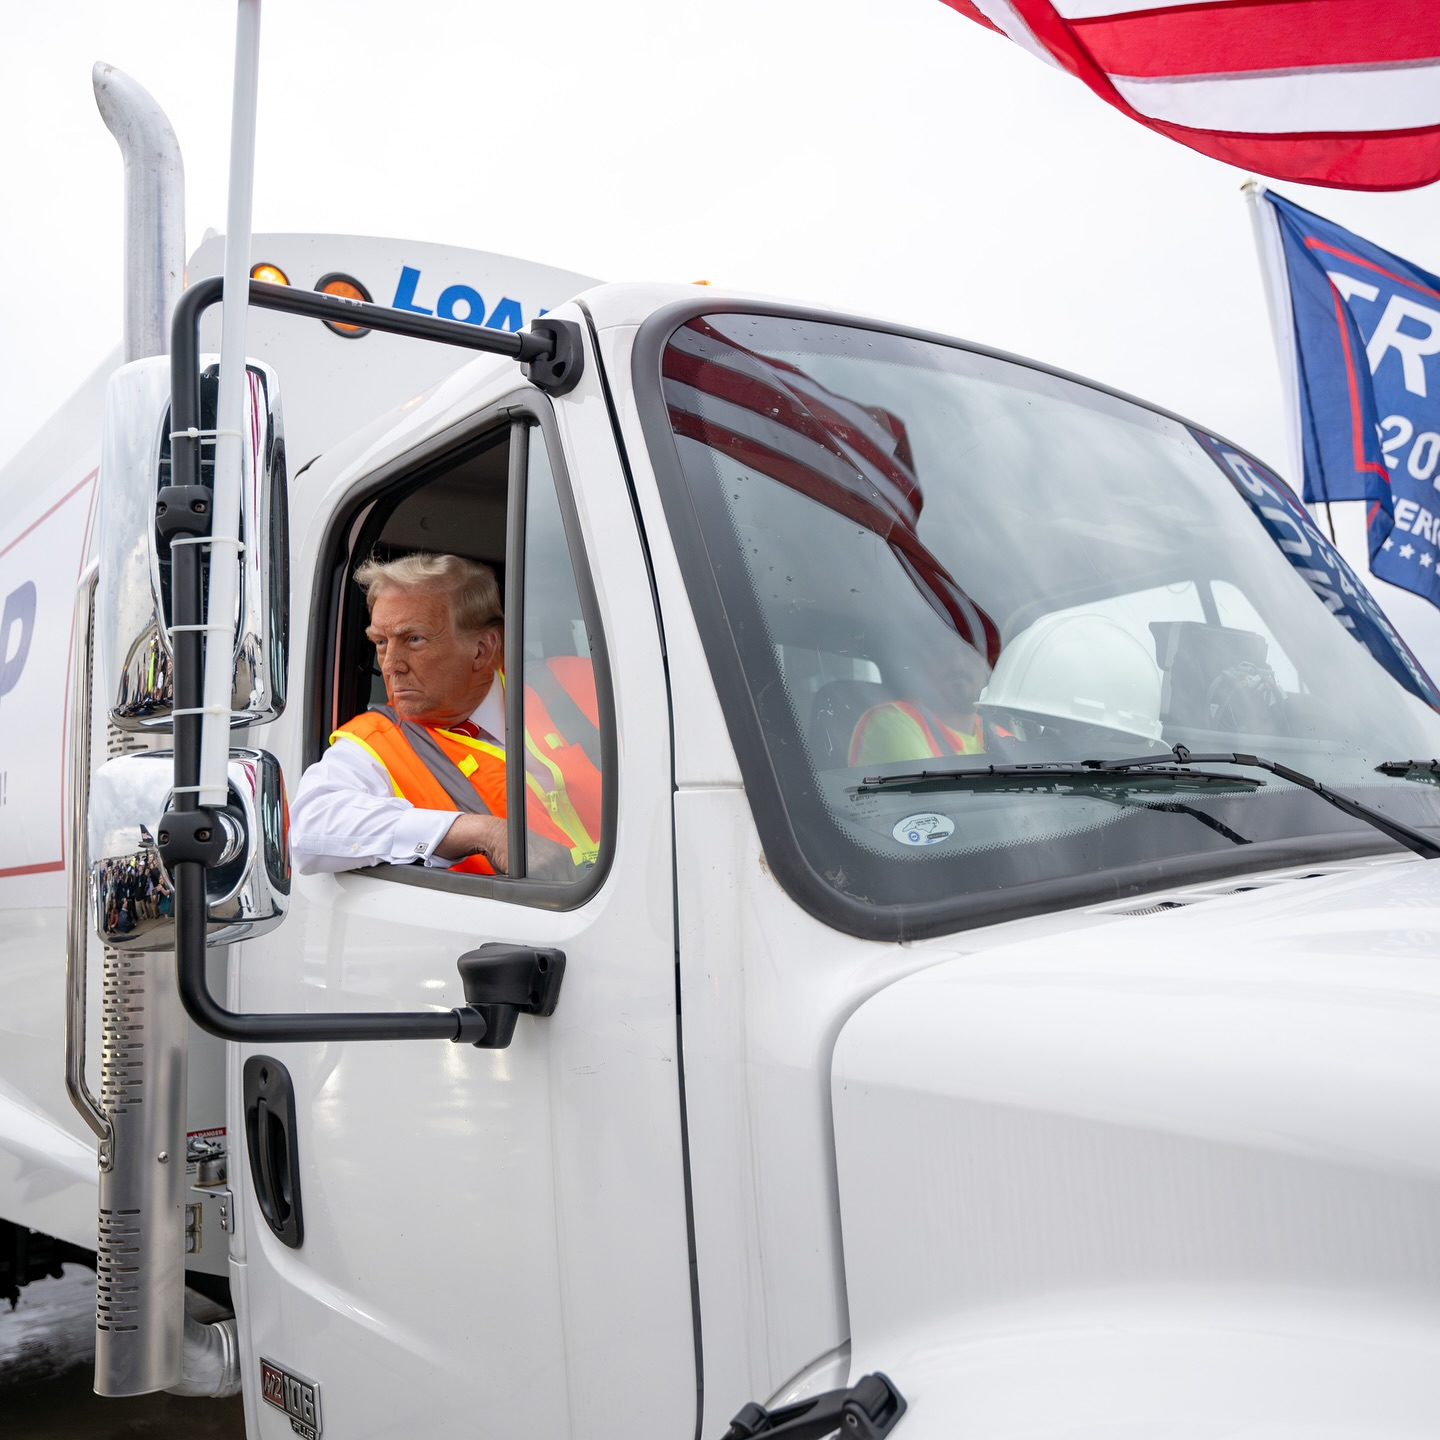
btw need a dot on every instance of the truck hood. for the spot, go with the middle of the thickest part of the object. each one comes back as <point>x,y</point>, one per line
<point>1176,1174</point>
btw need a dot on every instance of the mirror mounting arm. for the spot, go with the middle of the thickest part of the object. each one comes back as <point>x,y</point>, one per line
<point>182,510</point>
<point>465,1025</point>
<point>550,350</point>
<point>552,355</point>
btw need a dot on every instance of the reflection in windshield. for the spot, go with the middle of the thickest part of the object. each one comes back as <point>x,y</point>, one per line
<point>853,459</point>
<point>924,552</point>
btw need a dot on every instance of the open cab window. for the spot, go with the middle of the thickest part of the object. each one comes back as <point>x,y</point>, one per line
<point>501,499</point>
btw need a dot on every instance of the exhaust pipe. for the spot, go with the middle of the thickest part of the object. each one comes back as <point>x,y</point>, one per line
<point>154,209</point>
<point>140,1329</point>
<point>140,1252</point>
<point>212,1360</point>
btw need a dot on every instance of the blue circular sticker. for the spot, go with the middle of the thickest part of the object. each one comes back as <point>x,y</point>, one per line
<point>924,829</point>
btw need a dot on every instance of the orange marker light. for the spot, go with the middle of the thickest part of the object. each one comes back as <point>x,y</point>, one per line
<point>348,288</point>
<point>270,274</point>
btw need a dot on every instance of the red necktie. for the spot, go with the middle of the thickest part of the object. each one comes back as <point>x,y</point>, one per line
<point>466,727</point>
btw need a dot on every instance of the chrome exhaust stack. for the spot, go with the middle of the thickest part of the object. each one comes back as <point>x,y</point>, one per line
<point>154,209</point>
<point>140,1250</point>
<point>144,1341</point>
<point>140,1281</point>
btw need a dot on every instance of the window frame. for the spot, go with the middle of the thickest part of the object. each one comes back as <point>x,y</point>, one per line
<point>526,414</point>
<point>764,792</point>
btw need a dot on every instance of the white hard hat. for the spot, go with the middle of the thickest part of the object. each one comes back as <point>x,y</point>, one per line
<point>1079,667</point>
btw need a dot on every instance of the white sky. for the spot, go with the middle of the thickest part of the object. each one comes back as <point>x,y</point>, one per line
<point>881,156</point>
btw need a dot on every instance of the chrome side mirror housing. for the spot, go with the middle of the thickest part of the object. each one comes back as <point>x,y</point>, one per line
<point>132,893</point>
<point>133,599</point>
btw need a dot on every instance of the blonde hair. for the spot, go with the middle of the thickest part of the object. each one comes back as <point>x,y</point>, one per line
<point>472,587</point>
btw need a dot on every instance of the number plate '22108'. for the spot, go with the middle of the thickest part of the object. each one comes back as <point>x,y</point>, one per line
<point>299,1399</point>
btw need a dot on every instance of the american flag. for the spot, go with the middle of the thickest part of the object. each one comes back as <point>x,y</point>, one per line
<point>855,459</point>
<point>1343,93</point>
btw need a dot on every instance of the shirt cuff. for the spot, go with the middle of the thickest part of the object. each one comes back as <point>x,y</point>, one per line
<point>418,832</point>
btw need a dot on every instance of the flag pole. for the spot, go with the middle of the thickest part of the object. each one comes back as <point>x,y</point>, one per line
<point>1276,279</point>
<point>232,431</point>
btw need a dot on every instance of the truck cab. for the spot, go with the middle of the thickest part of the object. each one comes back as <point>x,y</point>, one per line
<point>960,986</point>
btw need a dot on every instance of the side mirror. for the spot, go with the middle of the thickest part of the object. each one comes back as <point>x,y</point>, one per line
<point>133,894</point>
<point>132,618</point>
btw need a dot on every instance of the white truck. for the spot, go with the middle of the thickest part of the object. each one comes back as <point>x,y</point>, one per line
<point>1001,998</point>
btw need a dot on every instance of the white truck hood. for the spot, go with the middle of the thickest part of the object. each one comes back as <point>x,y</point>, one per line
<point>1177,1175</point>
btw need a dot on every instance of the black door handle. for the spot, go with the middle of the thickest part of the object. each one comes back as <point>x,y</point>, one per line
<point>271,1138</point>
<point>501,981</point>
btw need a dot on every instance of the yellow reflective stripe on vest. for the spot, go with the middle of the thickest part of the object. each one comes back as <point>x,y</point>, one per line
<point>483,746</point>
<point>370,751</point>
<point>890,732</point>
<point>557,802</point>
<point>963,742</point>
<point>583,848</point>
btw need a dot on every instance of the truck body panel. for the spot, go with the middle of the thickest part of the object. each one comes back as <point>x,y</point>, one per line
<point>1191,1141</point>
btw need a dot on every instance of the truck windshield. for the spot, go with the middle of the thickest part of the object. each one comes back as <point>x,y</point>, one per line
<point>907,554</point>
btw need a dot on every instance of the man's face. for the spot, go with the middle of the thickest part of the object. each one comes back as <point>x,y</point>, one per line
<point>432,673</point>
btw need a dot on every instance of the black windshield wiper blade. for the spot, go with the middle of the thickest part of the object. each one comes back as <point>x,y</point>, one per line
<point>1175,807</point>
<point>1061,777</point>
<point>1412,839</point>
<point>1422,772</point>
<point>1041,773</point>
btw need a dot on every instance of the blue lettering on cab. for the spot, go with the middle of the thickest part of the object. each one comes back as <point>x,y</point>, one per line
<point>457,302</point>
<point>18,615</point>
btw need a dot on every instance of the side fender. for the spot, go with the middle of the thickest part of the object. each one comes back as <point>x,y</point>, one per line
<point>47,1173</point>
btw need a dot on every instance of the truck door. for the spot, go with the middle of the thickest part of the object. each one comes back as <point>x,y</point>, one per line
<point>490,1242</point>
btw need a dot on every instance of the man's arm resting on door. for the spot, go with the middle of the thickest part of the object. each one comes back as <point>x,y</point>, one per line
<point>345,815</point>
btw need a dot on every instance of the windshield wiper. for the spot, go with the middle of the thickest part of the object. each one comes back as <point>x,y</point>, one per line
<point>1172,767</point>
<point>1052,775</point>
<point>1414,840</point>
<point>1065,778</point>
<point>1176,807</point>
<point>1422,772</point>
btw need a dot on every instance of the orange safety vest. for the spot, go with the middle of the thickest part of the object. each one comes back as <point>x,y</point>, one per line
<point>562,782</point>
<point>904,730</point>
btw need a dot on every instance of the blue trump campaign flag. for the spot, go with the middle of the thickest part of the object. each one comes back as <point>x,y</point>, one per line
<point>1358,326</point>
<point>1319,564</point>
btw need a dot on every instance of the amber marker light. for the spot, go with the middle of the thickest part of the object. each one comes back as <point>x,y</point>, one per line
<point>270,274</point>
<point>347,287</point>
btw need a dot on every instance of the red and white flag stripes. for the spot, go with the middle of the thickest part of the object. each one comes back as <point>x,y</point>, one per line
<point>1343,93</point>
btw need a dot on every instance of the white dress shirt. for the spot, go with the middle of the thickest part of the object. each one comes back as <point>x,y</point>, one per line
<point>345,813</point>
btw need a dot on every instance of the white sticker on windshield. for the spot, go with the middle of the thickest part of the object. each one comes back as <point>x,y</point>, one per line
<point>926,829</point>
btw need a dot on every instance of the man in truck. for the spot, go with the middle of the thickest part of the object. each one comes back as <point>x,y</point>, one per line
<point>421,779</point>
